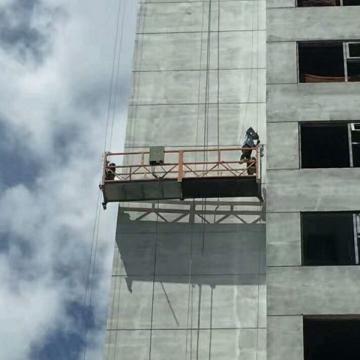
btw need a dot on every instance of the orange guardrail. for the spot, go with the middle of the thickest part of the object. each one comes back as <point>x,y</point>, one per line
<point>181,164</point>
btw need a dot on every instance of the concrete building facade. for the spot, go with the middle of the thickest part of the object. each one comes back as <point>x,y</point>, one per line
<point>189,276</point>
<point>325,290</point>
<point>189,283</point>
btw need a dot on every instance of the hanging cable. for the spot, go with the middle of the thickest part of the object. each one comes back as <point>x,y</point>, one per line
<point>91,268</point>
<point>138,60</point>
<point>218,78</point>
<point>87,299</point>
<point>117,77</point>
<point>154,276</point>
<point>190,293</point>
<point>112,76</point>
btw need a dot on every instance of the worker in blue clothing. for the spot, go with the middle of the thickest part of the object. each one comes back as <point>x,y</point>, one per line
<point>251,140</point>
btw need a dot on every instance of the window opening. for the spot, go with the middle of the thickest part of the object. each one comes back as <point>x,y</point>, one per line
<point>354,130</point>
<point>330,145</point>
<point>330,238</point>
<point>352,51</point>
<point>331,337</point>
<point>329,61</point>
<point>315,3</point>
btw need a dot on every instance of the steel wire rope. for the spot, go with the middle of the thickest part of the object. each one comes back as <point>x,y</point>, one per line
<point>200,71</point>
<point>190,293</point>
<point>206,116</point>
<point>138,59</point>
<point>117,77</point>
<point>86,302</point>
<point>112,76</point>
<point>211,320</point>
<point>115,310</point>
<point>154,276</point>
<point>247,103</point>
<point>88,294</point>
<point>189,316</point>
<point>206,144</point>
<point>257,125</point>
<point>218,148</point>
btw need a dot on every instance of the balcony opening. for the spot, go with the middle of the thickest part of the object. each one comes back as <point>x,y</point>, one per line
<point>314,3</point>
<point>330,238</point>
<point>329,61</point>
<point>330,145</point>
<point>331,337</point>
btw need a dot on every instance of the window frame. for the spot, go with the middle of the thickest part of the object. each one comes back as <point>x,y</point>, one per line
<point>350,126</point>
<point>356,236</point>
<point>346,56</point>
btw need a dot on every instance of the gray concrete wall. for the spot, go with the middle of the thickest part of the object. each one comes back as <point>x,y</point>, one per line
<point>193,288</point>
<point>188,291</point>
<point>293,290</point>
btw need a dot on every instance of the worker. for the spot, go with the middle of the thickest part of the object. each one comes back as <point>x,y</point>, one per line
<point>110,171</point>
<point>251,140</point>
<point>251,170</point>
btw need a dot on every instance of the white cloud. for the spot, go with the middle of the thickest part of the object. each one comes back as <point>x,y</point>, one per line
<point>56,113</point>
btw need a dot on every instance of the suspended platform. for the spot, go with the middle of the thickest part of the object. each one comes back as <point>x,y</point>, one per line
<point>159,174</point>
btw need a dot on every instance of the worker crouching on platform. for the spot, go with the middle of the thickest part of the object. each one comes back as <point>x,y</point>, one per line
<point>251,141</point>
<point>110,171</point>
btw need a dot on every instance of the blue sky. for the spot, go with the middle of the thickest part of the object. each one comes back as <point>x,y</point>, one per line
<point>56,61</point>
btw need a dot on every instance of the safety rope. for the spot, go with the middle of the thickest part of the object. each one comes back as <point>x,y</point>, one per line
<point>154,276</point>
<point>117,77</point>
<point>112,78</point>
<point>139,53</point>
<point>189,315</point>
<point>87,301</point>
<point>190,287</point>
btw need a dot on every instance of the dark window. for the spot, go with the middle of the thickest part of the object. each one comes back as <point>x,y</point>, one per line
<point>330,145</point>
<point>306,3</point>
<point>354,50</point>
<point>321,62</point>
<point>329,61</point>
<point>330,238</point>
<point>331,338</point>
<point>324,145</point>
<point>355,143</point>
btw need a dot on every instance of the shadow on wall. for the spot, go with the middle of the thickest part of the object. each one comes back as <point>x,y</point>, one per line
<point>200,254</point>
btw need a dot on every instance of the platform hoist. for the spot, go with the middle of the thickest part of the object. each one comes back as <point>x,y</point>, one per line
<point>158,173</point>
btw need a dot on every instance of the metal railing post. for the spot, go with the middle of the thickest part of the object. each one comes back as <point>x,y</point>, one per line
<point>181,166</point>
<point>104,167</point>
<point>258,177</point>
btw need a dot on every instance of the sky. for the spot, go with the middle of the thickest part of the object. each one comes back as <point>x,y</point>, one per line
<point>56,60</point>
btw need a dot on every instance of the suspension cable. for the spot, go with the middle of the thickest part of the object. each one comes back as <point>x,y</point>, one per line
<point>112,76</point>
<point>117,77</point>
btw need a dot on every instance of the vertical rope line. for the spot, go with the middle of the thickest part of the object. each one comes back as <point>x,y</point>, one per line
<point>218,77</point>
<point>117,77</point>
<point>247,104</point>
<point>139,52</point>
<point>112,76</point>
<point>211,320</point>
<point>119,286</point>
<point>200,72</point>
<point>88,294</point>
<point>154,276</point>
<point>206,113</point>
<point>192,209</point>
<point>198,323</point>
<point>207,82</point>
<point>257,62</point>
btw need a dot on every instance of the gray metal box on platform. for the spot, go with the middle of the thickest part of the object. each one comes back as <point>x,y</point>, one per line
<point>157,155</point>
